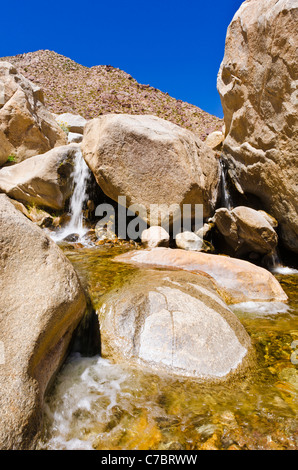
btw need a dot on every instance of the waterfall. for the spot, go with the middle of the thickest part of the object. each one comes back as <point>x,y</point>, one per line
<point>226,200</point>
<point>276,266</point>
<point>80,176</point>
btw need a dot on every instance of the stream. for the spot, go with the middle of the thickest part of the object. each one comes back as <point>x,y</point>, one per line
<point>94,404</point>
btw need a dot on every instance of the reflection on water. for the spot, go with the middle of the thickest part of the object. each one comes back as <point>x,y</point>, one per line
<point>98,405</point>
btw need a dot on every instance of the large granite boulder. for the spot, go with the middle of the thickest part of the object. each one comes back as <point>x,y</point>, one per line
<point>43,180</point>
<point>151,161</point>
<point>27,125</point>
<point>173,322</point>
<point>236,280</point>
<point>258,84</point>
<point>41,303</point>
<point>246,230</point>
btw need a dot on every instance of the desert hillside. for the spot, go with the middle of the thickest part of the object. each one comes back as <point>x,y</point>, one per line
<point>103,89</point>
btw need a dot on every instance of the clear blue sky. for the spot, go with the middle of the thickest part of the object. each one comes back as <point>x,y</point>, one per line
<point>174,45</point>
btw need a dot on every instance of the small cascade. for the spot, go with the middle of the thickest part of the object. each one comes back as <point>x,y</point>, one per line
<point>226,199</point>
<point>276,266</point>
<point>81,175</point>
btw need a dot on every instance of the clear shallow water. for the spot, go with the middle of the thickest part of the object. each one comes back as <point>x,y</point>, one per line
<point>98,405</point>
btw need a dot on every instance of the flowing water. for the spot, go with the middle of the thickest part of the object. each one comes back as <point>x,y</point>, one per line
<point>80,176</point>
<point>95,404</point>
<point>226,199</point>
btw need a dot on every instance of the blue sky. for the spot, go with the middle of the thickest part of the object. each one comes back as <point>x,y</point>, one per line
<point>174,45</point>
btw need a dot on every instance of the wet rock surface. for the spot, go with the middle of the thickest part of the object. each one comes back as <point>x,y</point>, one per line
<point>174,322</point>
<point>237,280</point>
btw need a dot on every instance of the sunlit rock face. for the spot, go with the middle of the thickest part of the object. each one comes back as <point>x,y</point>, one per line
<point>41,303</point>
<point>44,180</point>
<point>235,279</point>
<point>26,126</point>
<point>173,322</point>
<point>153,163</point>
<point>258,85</point>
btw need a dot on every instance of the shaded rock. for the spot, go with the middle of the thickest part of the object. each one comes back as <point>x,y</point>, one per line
<point>6,149</point>
<point>189,241</point>
<point>28,126</point>
<point>205,231</point>
<point>174,322</point>
<point>73,122</point>
<point>73,237</point>
<point>41,303</point>
<point>258,84</point>
<point>236,280</point>
<point>90,236</point>
<point>44,180</point>
<point>151,161</point>
<point>38,216</point>
<point>246,230</point>
<point>74,138</point>
<point>155,236</point>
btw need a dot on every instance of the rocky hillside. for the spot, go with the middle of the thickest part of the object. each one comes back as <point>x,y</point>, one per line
<point>90,92</point>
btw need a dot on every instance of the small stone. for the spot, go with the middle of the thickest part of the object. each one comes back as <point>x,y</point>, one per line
<point>155,236</point>
<point>189,241</point>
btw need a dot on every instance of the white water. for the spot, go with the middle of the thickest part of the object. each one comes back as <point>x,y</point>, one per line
<point>278,268</point>
<point>260,309</point>
<point>86,393</point>
<point>284,270</point>
<point>79,196</point>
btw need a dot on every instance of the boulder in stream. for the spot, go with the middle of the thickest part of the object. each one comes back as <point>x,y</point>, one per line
<point>236,280</point>
<point>173,322</point>
<point>246,230</point>
<point>151,161</point>
<point>41,303</point>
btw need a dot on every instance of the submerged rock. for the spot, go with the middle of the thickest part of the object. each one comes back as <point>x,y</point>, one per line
<point>29,127</point>
<point>174,322</point>
<point>236,280</point>
<point>41,303</point>
<point>258,84</point>
<point>152,162</point>
<point>43,180</point>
